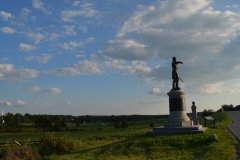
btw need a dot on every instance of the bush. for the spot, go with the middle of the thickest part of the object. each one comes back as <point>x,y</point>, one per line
<point>50,144</point>
<point>116,125</point>
<point>23,152</point>
<point>43,122</point>
<point>125,124</point>
<point>151,124</point>
<point>207,112</point>
<point>99,129</point>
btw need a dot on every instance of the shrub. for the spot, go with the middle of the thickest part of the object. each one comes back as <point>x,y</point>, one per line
<point>23,152</point>
<point>50,144</point>
<point>43,122</point>
<point>125,124</point>
<point>207,112</point>
<point>116,125</point>
<point>77,124</point>
<point>151,124</point>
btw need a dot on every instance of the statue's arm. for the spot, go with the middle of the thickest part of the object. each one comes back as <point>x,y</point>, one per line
<point>178,62</point>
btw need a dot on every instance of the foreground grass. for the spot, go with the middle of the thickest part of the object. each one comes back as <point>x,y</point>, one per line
<point>186,146</point>
<point>133,143</point>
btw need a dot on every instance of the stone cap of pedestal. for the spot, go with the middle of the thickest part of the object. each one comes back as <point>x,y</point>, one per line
<point>174,93</point>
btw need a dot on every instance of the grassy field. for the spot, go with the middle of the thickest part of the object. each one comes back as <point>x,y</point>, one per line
<point>133,143</point>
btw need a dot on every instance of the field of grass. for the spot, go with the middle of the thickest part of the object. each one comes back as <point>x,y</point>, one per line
<point>133,143</point>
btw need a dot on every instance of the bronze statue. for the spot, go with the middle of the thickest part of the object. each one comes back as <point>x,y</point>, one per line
<point>175,76</point>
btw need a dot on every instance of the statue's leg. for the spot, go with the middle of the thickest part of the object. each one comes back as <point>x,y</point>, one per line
<point>177,81</point>
<point>173,84</point>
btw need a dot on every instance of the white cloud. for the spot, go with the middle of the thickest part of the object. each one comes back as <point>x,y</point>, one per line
<point>20,103</point>
<point>90,39</point>
<point>163,13</point>
<point>69,71</point>
<point>45,90</point>
<point>39,5</point>
<point>24,13</point>
<point>6,15</point>
<point>80,55</point>
<point>83,28</point>
<point>238,84</point>
<point>44,104</point>
<point>69,30</point>
<point>86,5</point>
<point>36,37</point>
<point>26,47</point>
<point>16,103</point>
<point>4,103</point>
<point>44,59</point>
<point>3,59</point>
<point>68,102</point>
<point>235,6</point>
<point>64,46</point>
<point>227,6</point>
<point>84,67</point>
<point>75,44</point>
<point>72,45</point>
<point>67,16</point>
<point>127,50</point>
<point>54,36</point>
<point>7,30</point>
<point>75,3</point>
<point>158,92</point>
<point>205,39</point>
<point>8,73</point>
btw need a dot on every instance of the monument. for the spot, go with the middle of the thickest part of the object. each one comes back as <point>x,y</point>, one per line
<point>178,122</point>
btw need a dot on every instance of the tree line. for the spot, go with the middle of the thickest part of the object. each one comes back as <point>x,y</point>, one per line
<point>229,107</point>
<point>58,122</point>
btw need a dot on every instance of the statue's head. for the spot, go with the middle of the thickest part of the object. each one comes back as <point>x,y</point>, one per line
<point>174,58</point>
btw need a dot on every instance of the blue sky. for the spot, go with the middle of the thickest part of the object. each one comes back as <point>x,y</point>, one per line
<point>113,57</point>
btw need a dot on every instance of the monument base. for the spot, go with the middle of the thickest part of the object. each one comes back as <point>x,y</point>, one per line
<point>179,124</point>
<point>176,130</point>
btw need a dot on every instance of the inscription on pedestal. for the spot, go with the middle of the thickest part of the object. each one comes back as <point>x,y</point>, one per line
<point>177,104</point>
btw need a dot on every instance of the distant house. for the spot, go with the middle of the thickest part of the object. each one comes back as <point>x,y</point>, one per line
<point>104,125</point>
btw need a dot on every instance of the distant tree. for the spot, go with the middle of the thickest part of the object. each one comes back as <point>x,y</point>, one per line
<point>124,124</point>
<point>151,124</point>
<point>77,123</point>
<point>228,107</point>
<point>60,123</point>
<point>43,122</point>
<point>116,125</point>
<point>237,107</point>
<point>25,119</point>
<point>207,112</point>
<point>10,120</point>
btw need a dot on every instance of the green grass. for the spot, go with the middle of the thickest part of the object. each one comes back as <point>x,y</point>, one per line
<point>133,143</point>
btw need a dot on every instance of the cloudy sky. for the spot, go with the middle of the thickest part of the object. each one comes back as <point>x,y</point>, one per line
<point>113,57</point>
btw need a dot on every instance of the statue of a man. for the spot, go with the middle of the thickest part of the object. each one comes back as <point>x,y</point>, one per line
<point>175,76</point>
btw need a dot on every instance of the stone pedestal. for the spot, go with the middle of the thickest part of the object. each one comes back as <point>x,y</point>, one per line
<point>194,114</point>
<point>178,122</point>
<point>177,110</point>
